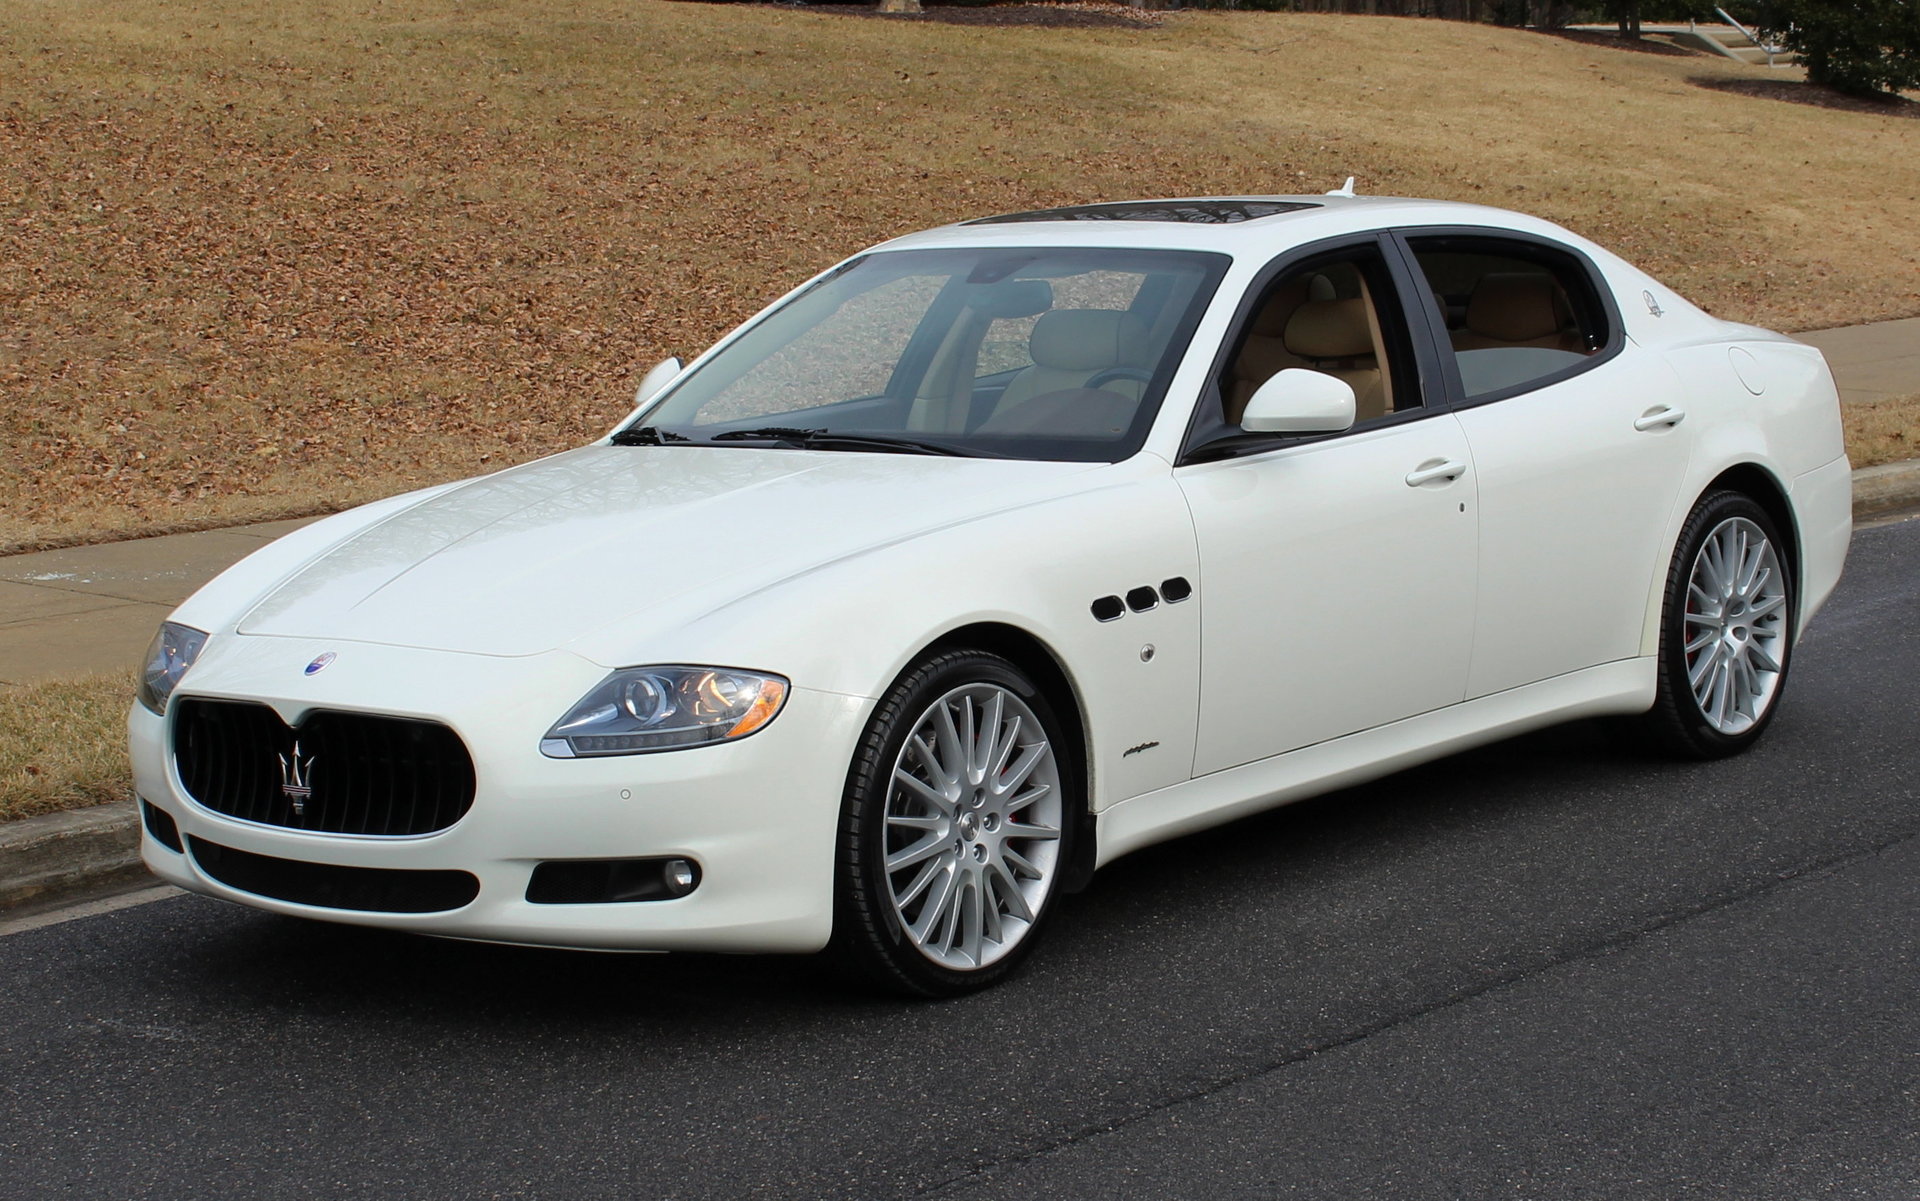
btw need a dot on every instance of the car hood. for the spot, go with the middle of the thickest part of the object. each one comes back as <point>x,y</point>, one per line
<point>540,556</point>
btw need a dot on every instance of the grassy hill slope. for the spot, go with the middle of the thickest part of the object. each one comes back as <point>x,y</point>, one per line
<point>260,259</point>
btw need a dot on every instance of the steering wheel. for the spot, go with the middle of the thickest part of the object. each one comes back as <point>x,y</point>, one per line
<point>1137,374</point>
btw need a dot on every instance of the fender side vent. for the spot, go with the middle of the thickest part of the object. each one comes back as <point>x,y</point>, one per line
<point>1143,598</point>
<point>1109,608</point>
<point>1176,589</point>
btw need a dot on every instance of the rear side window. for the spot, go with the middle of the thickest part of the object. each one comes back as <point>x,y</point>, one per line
<point>1517,315</point>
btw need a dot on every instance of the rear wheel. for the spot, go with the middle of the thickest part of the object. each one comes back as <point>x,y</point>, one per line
<point>955,827</point>
<point>1726,630</point>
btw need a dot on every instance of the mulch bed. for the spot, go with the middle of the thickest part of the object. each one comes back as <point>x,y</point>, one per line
<point>1799,92</point>
<point>1080,15</point>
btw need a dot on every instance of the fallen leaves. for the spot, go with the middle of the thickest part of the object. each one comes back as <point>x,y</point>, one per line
<point>308,257</point>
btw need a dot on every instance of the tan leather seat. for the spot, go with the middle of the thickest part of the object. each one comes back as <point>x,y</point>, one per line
<point>1518,309</point>
<point>1070,347</point>
<point>1335,337</point>
<point>1263,352</point>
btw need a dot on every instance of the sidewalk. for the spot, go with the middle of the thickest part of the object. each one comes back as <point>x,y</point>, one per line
<point>1871,362</point>
<point>94,608</point>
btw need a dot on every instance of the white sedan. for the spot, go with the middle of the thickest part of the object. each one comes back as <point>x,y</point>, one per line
<point>992,554</point>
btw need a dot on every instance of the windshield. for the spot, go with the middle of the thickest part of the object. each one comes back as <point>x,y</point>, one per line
<point>1027,353</point>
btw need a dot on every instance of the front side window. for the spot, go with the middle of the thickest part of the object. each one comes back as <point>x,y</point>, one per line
<point>1027,353</point>
<point>1336,313</point>
<point>1516,315</point>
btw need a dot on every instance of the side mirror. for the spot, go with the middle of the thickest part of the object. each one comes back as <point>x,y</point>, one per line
<point>1298,401</point>
<point>664,372</point>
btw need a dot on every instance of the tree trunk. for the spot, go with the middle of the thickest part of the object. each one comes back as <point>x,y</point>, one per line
<point>899,6</point>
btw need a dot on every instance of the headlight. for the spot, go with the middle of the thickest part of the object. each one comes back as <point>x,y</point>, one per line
<point>173,650</point>
<point>640,709</point>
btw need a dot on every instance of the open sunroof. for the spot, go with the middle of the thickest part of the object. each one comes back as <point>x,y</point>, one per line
<point>1190,212</point>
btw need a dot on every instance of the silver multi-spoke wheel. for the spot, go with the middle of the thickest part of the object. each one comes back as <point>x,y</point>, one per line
<point>1735,625</point>
<point>973,819</point>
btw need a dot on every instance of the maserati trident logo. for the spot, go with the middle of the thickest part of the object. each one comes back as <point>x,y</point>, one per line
<point>296,779</point>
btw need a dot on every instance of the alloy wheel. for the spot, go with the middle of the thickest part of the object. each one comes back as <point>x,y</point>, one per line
<point>1735,625</point>
<point>973,820</point>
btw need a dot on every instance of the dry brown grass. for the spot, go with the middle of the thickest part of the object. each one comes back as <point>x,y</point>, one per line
<point>1882,431</point>
<point>258,259</point>
<point>63,744</point>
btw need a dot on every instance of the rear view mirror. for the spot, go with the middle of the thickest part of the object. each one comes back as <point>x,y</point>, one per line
<point>664,372</point>
<point>1298,401</point>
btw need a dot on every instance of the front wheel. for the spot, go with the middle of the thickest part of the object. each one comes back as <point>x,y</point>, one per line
<point>1726,630</point>
<point>955,828</point>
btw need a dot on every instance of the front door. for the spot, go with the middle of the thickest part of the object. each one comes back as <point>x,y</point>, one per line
<point>1337,572</point>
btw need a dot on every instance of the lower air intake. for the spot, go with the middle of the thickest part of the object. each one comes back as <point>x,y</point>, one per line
<point>330,886</point>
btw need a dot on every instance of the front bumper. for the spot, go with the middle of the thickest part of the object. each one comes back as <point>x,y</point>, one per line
<point>758,816</point>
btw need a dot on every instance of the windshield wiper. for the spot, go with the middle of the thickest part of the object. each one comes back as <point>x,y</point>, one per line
<point>768,433</point>
<point>647,435</point>
<point>818,439</point>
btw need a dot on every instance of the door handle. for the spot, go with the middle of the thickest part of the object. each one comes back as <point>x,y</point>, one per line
<point>1445,470</point>
<point>1659,417</point>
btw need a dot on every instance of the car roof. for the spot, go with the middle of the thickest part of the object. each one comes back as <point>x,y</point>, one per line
<point>1234,224</point>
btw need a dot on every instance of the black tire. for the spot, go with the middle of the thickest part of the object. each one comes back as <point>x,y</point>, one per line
<point>1678,723</point>
<point>870,937</point>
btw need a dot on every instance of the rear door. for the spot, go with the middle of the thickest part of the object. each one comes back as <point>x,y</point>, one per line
<point>1578,441</point>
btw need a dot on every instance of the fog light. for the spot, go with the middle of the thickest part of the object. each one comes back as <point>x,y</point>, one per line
<point>611,881</point>
<point>680,877</point>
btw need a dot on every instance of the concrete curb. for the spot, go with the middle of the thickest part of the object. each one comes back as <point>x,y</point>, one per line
<point>46,859</point>
<point>1881,489</point>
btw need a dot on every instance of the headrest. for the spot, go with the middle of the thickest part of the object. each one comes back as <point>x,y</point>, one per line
<point>1515,307</point>
<point>1330,329</point>
<point>1262,358</point>
<point>1012,298</point>
<point>1271,320</point>
<point>1088,339</point>
<point>1277,310</point>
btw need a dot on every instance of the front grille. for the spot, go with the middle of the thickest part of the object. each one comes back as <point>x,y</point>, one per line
<point>334,773</point>
<point>330,886</point>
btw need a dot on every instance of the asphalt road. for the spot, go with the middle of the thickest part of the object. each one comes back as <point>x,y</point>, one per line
<point>1551,968</point>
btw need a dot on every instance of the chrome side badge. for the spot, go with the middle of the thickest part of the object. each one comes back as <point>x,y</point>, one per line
<point>320,663</point>
<point>1653,306</point>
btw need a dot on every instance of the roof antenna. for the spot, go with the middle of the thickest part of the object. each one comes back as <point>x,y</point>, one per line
<point>1345,189</point>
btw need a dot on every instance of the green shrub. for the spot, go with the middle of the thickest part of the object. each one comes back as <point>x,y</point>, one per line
<point>1860,46</point>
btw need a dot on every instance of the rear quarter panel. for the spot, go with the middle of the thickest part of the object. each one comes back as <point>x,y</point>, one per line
<point>1778,411</point>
